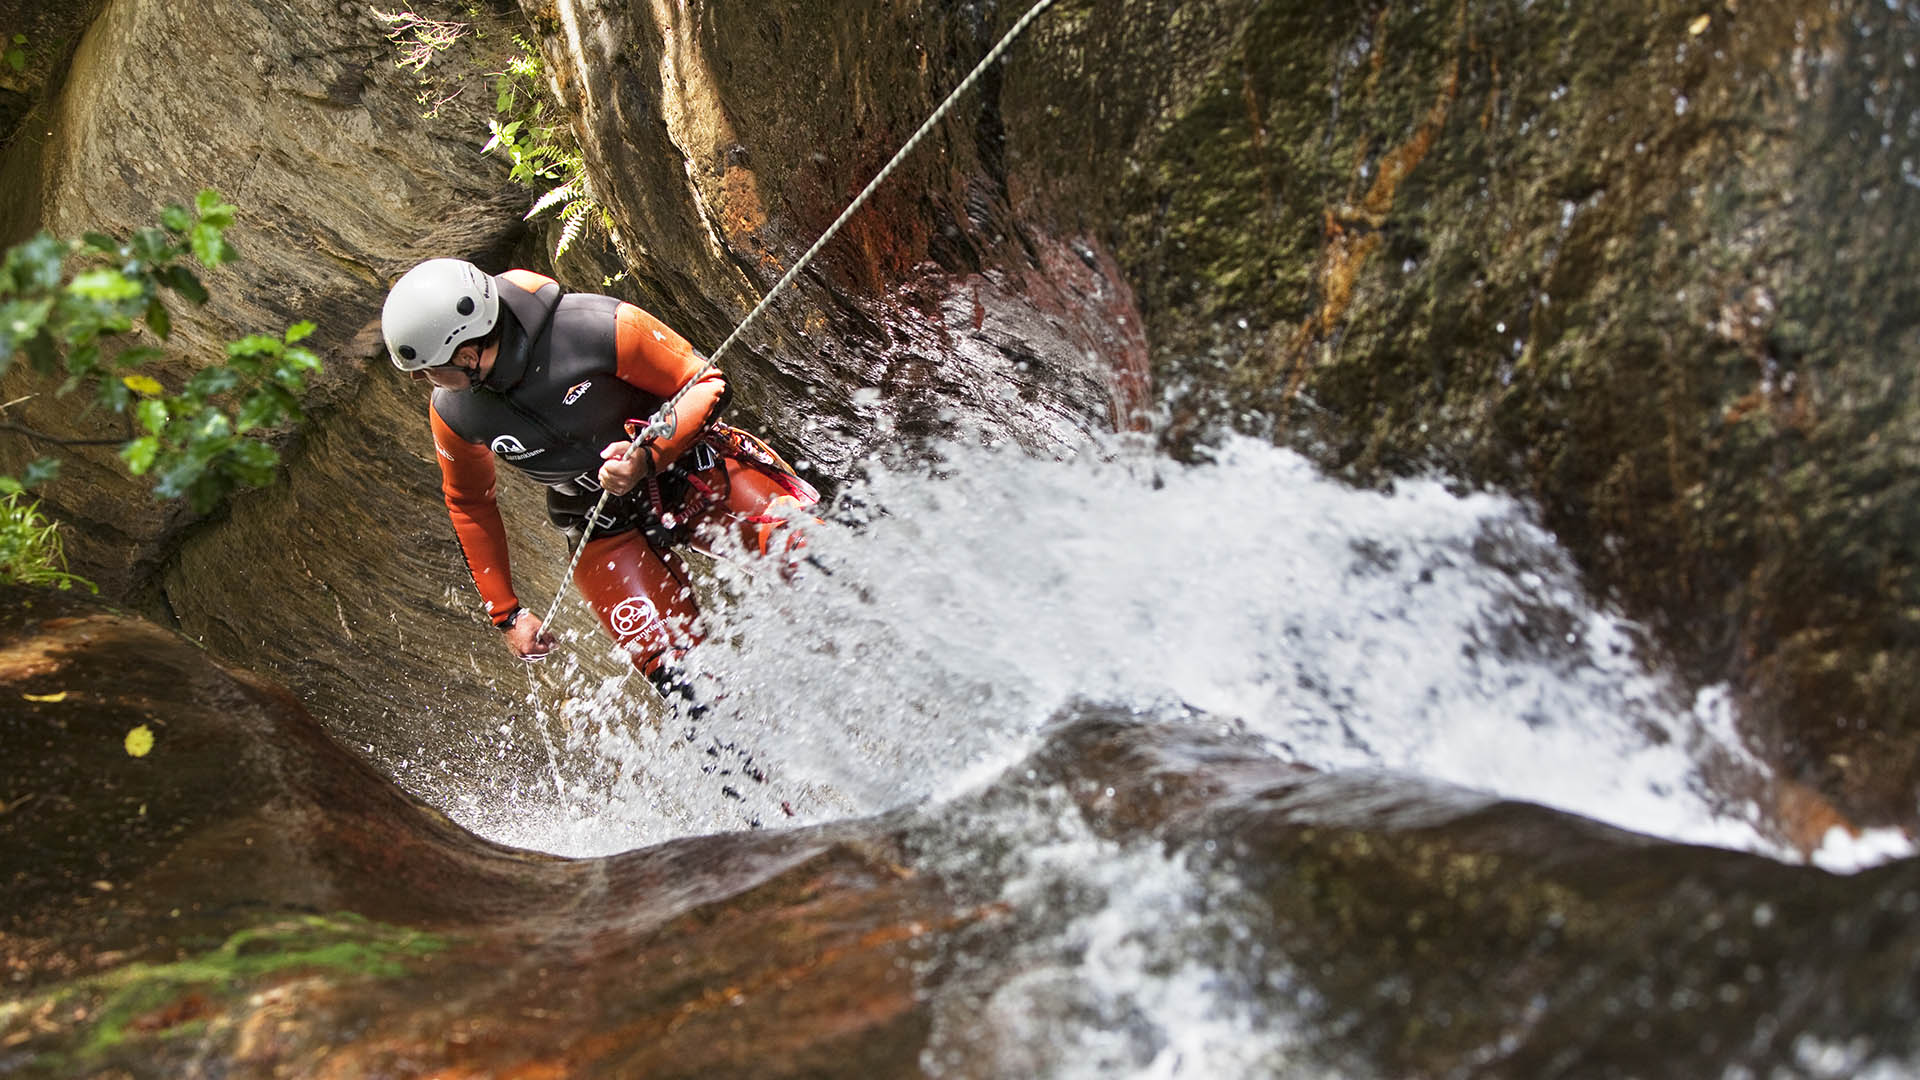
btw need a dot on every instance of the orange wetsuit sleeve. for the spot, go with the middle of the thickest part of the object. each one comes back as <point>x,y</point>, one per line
<point>660,362</point>
<point>467,479</point>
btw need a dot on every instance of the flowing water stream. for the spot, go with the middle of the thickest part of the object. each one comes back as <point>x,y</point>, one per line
<point>949,616</point>
<point>954,609</point>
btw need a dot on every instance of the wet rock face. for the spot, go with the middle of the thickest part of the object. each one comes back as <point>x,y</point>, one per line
<point>1641,263</point>
<point>297,113</point>
<point>247,898</point>
<point>1386,926</point>
<point>1399,236</point>
<point>342,582</point>
<point>728,139</point>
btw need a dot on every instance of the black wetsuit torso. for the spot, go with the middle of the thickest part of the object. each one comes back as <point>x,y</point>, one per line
<point>553,401</point>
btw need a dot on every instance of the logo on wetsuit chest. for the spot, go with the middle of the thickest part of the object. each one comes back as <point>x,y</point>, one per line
<point>575,392</point>
<point>513,449</point>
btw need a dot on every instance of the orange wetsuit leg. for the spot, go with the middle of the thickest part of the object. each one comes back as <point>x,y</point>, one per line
<point>645,600</point>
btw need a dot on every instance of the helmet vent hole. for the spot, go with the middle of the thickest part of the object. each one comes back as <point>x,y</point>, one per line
<point>407,353</point>
<point>465,305</point>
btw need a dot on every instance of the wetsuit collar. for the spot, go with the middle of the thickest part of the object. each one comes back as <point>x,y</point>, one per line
<point>510,361</point>
<point>524,317</point>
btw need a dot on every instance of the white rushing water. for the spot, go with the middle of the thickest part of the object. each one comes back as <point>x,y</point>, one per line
<point>950,617</point>
<point>1417,631</point>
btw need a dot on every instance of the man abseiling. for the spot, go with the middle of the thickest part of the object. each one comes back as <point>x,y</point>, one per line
<point>558,385</point>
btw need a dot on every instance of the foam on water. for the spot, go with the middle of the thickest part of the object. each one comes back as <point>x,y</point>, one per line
<point>1419,631</point>
<point>950,616</point>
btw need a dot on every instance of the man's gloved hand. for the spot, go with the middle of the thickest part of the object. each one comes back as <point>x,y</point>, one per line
<point>526,638</point>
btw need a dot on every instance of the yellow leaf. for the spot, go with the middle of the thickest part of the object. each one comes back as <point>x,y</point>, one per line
<point>1699,25</point>
<point>139,741</point>
<point>48,698</point>
<point>142,384</point>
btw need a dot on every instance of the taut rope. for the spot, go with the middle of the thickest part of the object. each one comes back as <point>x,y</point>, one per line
<point>660,424</point>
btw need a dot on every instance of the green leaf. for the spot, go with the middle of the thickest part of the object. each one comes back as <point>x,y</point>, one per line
<point>177,474</point>
<point>182,280</point>
<point>213,209</point>
<point>10,486</point>
<point>83,360</point>
<point>114,396</point>
<point>252,462</point>
<point>208,246</point>
<point>152,246</point>
<point>176,219</point>
<point>102,243</point>
<point>267,406</point>
<point>210,435</point>
<point>210,381</point>
<point>104,284</point>
<point>255,345</point>
<point>135,356</point>
<point>21,319</point>
<point>158,320</point>
<point>144,385</point>
<point>34,265</point>
<point>41,472</point>
<point>152,415</point>
<point>299,331</point>
<point>259,410</point>
<point>303,361</point>
<point>139,454</point>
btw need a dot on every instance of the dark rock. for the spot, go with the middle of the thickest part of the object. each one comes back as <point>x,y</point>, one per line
<point>248,898</point>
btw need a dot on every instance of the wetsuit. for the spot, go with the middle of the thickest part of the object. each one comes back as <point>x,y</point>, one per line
<point>571,372</point>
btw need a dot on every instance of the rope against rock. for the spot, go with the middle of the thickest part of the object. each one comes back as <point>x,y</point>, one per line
<point>660,425</point>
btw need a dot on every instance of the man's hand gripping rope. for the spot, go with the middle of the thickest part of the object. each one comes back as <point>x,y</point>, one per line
<point>630,463</point>
<point>619,466</point>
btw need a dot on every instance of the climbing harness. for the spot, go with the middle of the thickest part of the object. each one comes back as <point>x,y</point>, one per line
<point>662,424</point>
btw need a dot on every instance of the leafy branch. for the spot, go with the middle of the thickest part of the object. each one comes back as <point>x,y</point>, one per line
<point>70,309</point>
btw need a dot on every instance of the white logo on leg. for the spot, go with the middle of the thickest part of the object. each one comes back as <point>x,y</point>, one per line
<point>634,614</point>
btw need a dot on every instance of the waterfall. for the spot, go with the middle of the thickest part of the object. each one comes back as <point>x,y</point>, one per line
<point>951,608</point>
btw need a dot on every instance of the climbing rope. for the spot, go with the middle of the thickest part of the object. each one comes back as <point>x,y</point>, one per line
<point>662,422</point>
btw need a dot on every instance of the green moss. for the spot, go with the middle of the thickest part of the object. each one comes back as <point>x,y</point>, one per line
<point>343,945</point>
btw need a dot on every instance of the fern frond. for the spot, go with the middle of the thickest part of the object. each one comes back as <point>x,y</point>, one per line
<point>562,194</point>
<point>570,233</point>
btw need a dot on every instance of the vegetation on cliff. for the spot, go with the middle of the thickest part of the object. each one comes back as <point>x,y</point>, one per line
<point>90,314</point>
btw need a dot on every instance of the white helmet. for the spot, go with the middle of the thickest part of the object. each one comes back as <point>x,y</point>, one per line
<point>435,307</point>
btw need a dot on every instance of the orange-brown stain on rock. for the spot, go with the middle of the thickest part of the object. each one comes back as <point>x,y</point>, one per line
<point>743,213</point>
<point>1806,816</point>
<point>1352,229</point>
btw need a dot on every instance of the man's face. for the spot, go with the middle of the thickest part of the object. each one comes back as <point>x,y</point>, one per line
<point>469,366</point>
